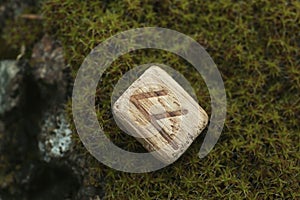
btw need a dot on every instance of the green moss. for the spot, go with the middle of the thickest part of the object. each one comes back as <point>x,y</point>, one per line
<point>256,48</point>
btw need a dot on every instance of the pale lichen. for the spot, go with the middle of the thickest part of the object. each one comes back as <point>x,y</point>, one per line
<point>55,138</point>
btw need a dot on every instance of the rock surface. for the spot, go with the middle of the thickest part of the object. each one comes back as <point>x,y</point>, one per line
<point>35,136</point>
<point>48,69</point>
<point>55,137</point>
<point>11,78</point>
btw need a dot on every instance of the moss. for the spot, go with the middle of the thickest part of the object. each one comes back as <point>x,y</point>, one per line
<point>20,32</point>
<point>256,48</point>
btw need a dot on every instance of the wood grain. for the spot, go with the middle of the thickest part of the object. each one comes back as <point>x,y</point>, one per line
<point>160,114</point>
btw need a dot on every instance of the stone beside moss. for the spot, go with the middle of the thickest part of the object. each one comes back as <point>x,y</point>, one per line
<point>256,48</point>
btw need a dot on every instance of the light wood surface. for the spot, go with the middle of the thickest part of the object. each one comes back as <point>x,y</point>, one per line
<point>160,114</point>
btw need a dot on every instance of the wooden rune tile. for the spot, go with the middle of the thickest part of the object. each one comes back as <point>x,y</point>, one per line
<point>160,114</point>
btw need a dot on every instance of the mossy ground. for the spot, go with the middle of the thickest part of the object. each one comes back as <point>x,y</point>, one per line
<point>256,48</point>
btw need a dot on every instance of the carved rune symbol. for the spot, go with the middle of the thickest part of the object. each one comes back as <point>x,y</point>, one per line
<point>153,118</point>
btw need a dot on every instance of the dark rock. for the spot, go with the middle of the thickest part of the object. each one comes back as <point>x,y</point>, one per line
<point>11,81</point>
<point>37,159</point>
<point>52,181</point>
<point>32,119</point>
<point>48,68</point>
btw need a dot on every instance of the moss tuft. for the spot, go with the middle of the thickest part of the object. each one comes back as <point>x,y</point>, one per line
<point>256,48</point>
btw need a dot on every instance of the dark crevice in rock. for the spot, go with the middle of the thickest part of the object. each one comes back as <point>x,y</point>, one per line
<point>52,182</point>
